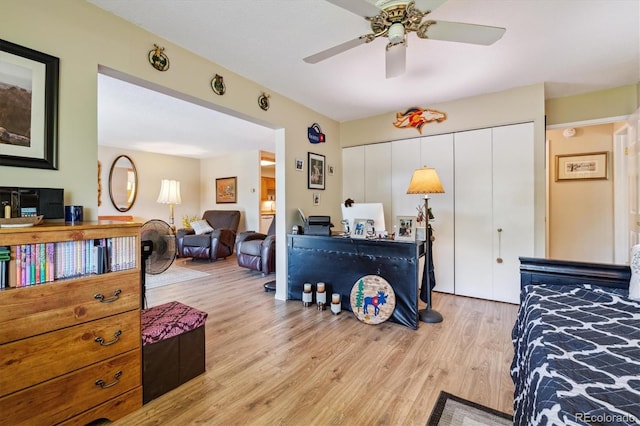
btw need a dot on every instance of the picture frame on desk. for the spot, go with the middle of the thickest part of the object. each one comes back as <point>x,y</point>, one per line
<point>359,228</point>
<point>30,84</point>
<point>405,228</point>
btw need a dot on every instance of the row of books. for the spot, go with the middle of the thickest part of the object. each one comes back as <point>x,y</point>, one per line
<point>29,264</point>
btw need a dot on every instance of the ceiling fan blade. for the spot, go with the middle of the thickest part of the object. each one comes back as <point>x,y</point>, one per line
<point>359,7</point>
<point>395,59</point>
<point>464,33</point>
<point>429,5</point>
<point>332,51</point>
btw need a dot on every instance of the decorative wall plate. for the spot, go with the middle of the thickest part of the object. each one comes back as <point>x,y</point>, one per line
<point>158,59</point>
<point>417,118</point>
<point>372,299</point>
<point>217,84</point>
<point>263,101</point>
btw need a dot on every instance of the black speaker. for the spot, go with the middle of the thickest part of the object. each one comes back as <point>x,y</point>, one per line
<point>51,203</point>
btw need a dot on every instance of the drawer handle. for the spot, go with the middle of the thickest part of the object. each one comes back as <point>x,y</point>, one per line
<point>116,380</point>
<point>101,298</point>
<point>116,336</point>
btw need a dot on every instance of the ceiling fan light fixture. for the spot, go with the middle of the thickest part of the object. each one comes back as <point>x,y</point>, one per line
<point>396,33</point>
<point>395,19</point>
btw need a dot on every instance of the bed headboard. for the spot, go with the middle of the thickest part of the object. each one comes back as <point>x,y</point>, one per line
<point>549,271</point>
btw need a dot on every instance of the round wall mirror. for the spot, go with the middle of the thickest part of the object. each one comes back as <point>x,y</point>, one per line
<point>123,183</point>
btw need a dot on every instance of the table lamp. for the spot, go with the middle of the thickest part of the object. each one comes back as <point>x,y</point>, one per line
<point>170,194</point>
<point>426,181</point>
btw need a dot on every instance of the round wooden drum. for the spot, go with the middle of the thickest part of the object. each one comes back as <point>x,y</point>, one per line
<point>372,299</point>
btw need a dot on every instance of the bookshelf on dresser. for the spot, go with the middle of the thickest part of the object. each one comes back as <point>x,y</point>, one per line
<point>70,349</point>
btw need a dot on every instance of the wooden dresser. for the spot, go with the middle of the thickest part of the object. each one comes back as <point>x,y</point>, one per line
<point>70,349</point>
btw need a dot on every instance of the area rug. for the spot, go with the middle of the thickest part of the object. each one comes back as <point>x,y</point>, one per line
<point>453,410</point>
<point>173,275</point>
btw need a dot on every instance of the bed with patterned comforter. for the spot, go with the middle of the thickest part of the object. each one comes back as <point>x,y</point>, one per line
<point>576,355</point>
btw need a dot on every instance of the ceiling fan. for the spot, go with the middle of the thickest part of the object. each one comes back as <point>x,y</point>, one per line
<point>394,19</point>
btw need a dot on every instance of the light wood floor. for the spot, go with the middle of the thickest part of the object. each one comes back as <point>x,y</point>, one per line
<point>271,362</point>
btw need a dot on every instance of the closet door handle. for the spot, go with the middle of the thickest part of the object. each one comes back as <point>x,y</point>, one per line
<point>499,259</point>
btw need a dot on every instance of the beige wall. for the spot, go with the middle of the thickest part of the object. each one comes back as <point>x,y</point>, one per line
<point>246,167</point>
<point>151,169</point>
<point>581,211</point>
<point>616,102</point>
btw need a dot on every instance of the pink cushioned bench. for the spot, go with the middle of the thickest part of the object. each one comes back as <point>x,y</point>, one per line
<point>173,349</point>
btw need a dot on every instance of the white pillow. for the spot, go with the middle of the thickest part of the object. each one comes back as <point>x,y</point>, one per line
<point>201,226</point>
<point>634,283</point>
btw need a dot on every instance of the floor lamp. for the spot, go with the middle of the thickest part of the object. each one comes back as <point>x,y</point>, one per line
<point>170,194</point>
<point>426,181</point>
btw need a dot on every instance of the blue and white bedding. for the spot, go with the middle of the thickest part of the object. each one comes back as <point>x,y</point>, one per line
<point>576,357</point>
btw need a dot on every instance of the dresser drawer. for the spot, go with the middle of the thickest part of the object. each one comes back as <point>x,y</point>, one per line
<point>113,409</point>
<point>63,397</point>
<point>34,310</point>
<point>36,359</point>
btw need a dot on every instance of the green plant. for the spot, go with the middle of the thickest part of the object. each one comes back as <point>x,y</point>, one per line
<point>186,220</point>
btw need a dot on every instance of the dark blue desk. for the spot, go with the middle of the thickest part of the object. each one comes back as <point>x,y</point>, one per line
<point>339,262</point>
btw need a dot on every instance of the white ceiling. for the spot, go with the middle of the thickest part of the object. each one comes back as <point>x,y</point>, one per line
<point>573,46</point>
<point>137,118</point>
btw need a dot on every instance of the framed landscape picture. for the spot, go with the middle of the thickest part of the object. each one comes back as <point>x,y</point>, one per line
<point>226,190</point>
<point>29,107</point>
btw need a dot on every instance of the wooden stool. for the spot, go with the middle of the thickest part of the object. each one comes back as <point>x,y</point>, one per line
<point>173,348</point>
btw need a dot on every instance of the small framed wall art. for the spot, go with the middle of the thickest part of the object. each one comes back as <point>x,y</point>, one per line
<point>316,173</point>
<point>591,165</point>
<point>226,190</point>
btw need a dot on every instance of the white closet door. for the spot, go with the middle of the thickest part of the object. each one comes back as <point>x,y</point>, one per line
<point>377,177</point>
<point>405,158</point>
<point>437,152</point>
<point>473,214</point>
<point>353,173</point>
<point>513,207</point>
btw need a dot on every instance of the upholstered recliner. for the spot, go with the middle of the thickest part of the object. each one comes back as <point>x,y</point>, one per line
<point>257,251</point>
<point>213,245</point>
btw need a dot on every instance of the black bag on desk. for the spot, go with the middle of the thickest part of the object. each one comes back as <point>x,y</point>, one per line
<point>318,225</point>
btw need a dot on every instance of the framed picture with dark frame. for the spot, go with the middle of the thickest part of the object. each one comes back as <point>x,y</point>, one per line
<point>590,165</point>
<point>316,174</point>
<point>227,190</point>
<point>29,111</point>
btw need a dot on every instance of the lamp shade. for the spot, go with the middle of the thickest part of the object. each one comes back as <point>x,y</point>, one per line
<point>169,192</point>
<point>425,181</point>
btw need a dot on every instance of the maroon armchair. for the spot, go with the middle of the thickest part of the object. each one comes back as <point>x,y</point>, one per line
<point>216,244</point>
<point>257,251</point>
